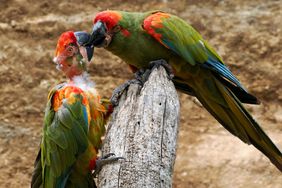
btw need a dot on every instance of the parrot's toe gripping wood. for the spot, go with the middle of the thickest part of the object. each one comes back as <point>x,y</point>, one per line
<point>161,62</point>
<point>106,159</point>
<point>119,90</point>
<point>141,76</point>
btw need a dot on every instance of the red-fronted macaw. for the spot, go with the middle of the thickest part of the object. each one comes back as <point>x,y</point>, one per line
<point>140,38</point>
<point>74,121</point>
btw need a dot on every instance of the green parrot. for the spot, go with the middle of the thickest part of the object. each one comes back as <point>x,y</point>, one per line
<point>74,122</point>
<point>141,38</point>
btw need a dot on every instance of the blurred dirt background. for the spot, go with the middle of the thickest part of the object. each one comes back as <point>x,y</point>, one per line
<point>247,34</point>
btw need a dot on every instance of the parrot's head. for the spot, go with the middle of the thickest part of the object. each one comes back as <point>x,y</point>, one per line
<point>106,25</point>
<point>71,57</point>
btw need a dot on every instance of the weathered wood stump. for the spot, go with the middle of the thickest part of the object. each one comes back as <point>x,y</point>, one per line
<point>143,130</point>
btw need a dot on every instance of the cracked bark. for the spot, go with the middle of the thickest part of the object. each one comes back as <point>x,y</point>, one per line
<point>143,130</point>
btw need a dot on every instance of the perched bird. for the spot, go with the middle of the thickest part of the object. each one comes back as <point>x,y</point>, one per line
<point>140,38</point>
<point>74,121</point>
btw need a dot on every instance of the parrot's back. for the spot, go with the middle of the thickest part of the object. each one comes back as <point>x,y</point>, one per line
<point>197,68</point>
<point>73,126</point>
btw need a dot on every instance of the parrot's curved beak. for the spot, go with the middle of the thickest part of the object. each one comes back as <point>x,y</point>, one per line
<point>83,39</point>
<point>99,35</point>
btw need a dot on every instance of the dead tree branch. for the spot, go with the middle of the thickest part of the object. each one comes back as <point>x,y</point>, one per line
<point>143,129</point>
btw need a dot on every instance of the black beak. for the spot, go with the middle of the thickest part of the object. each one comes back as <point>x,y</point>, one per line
<point>90,51</point>
<point>83,39</point>
<point>98,34</point>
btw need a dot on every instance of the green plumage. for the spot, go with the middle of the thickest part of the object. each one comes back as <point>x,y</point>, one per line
<point>63,160</point>
<point>198,70</point>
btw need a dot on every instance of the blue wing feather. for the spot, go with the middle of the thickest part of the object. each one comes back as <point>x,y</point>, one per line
<point>222,70</point>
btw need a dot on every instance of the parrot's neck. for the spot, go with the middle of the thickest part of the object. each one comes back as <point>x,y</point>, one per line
<point>138,48</point>
<point>83,82</point>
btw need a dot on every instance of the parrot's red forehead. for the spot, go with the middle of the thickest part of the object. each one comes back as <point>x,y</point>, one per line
<point>110,18</point>
<point>64,40</point>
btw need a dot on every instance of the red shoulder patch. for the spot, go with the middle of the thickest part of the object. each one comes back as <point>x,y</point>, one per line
<point>155,21</point>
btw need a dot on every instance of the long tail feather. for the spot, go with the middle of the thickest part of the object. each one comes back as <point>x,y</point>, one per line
<point>36,180</point>
<point>241,94</point>
<point>227,109</point>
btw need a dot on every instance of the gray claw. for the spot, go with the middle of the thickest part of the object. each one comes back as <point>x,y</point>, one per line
<point>167,67</point>
<point>108,155</point>
<point>138,74</point>
<point>119,90</point>
<point>142,75</point>
<point>106,159</point>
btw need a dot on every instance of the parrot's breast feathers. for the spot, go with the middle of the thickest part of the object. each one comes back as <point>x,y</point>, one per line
<point>84,83</point>
<point>79,85</point>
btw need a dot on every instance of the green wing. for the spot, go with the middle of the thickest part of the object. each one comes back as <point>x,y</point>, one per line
<point>180,37</point>
<point>64,138</point>
<point>210,88</point>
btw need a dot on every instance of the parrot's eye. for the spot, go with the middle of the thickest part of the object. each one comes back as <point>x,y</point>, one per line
<point>71,50</point>
<point>116,29</point>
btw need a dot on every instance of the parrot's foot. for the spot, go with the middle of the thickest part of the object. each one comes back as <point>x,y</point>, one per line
<point>161,62</point>
<point>142,75</point>
<point>119,90</point>
<point>106,159</point>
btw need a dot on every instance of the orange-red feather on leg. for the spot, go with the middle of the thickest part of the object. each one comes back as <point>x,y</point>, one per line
<point>133,68</point>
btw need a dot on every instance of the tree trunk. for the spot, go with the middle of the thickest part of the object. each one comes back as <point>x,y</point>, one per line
<point>143,130</point>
